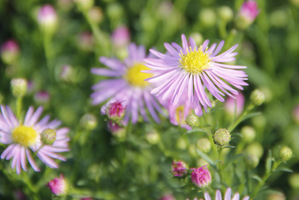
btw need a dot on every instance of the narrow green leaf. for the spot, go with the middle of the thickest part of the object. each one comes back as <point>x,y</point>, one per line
<point>230,147</point>
<point>285,170</point>
<point>232,160</point>
<point>197,130</point>
<point>269,162</point>
<point>256,177</point>
<point>250,115</point>
<point>206,157</point>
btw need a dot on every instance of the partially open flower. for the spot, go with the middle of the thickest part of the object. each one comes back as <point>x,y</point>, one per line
<point>247,14</point>
<point>58,186</point>
<point>115,110</point>
<point>201,176</point>
<point>179,169</point>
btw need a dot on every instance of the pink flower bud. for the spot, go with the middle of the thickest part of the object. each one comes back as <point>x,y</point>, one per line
<point>42,97</point>
<point>9,51</point>
<point>113,127</point>
<point>179,169</point>
<point>247,14</point>
<point>201,176</point>
<point>120,36</point>
<point>47,18</point>
<point>115,110</point>
<point>58,186</point>
<point>86,41</point>
<point>231,104</point>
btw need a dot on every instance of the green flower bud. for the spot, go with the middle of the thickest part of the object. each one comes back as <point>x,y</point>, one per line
<point>192,120</point>
<point>84,4</point>
<point>204,145</point>
<point>95,14</point>
<point>285,153</point>
<point>248,134</point>
<point>251,160</point>
<point>48,136</point>
<point>181,143</point>
<point>192,150</point>
<point>226,13</point>
<point>257,97</point>
<point>294,181</point>
<point>208,17</point>
<point>18,87</point>
<point>222,137</point>
<point>255,149</point>
<point>197,37</point>
<point>153,137</point>
<point>89,121</point>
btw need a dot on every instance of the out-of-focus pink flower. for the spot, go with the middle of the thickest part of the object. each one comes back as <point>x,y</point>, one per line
<point>296,114</point>
<point>235,103</point>
<point>86,198</point>
<point>66,73</point>
<point>113,127</point>
<point>120,36</point>
<point>201,176</point>
<point>42,97</point>
<point>179,168</point>
<point>58,186</point>
<point>247,14</point>
<point>167,197</point>
<point>9,51</point>
<point>86,41</point>
<point>47,18</point>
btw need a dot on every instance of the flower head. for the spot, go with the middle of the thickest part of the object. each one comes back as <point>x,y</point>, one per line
<point>234,105</point>
<point>58,186</point>
<point>247,14</point>
<point>227,195</point>
<point>179,168</point>
<point>201,176</point>
<point>25,137</point>
<point>190,70</point>
<point>120,36</point>
<point>9,51</point>
<point>115,110</point>
<point>18,87</point>
<point>127,85</point>
<point>47,18</point>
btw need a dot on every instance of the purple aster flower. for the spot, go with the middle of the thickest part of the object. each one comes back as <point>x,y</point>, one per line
<point>127,85</point>
<point>24,137</point>
<point>190,70</point>
<point>227,196</point>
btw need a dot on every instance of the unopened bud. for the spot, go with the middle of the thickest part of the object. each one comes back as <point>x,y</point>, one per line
<point>197,37</point>
<point>192,120</point>
<point>9,51</point>
<point>226,13</point>
<point>222,137</point>
<point>115,111</point>
<point>48,136</point>
<point>208,17</point>
<point>201,176</point>
<point>285,153</point>
<point>251,160</point>
<point>181,143</point>
<point>42,97</point>
<point>248,133</point>
<point>58,186</point>
<point>18,87</point>
<point>257,97</point>
<point>153,137</point>
<point>84,5</point>
<point>255,149</point>
<point>247,14</point>
<point>204,145</point>
<point>294,180</point>
<point>47,18</point>
<point>179,169</point>
<point>95,14</point>
<point>120,37</point>
<point>89,121</point>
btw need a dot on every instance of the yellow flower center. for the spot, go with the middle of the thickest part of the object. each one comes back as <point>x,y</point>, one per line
<point>135,77</point>
<point>24,135</point>
<point>179,111</point>
<point>195,61</point>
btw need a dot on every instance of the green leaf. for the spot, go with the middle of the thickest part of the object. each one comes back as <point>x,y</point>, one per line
<point>197,130</point>
<point>269,162</point>
<point>284,169</point>
<point>206,158</point>
<point>250,115</point>
<point>230,147</point>
<point>232,160</point>
<point>256,177</point>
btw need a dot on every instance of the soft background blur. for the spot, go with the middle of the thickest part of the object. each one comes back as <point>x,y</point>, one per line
<point>58,69</point>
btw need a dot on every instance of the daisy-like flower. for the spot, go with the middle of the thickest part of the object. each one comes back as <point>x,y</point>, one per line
<point>190,70</point>
<point>24,137</point>
<point>227,196</point>
<point>127,85</point>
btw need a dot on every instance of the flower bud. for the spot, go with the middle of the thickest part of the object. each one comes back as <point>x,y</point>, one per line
<point>201,176</point>
<point>204,145</point>
<point>115,11</point>
<point>116,129</point>
<point>235,105</point>
<point>115,111</point>
<point>47,19</point>
<point>248,134</point>
<point>247,14</point>
<point>153,137</point>
<point>181,143</point>
<point>120,37</point>
<point>285,153</point>
<point>294,180</point>
<point>89,121</point>
<point>257,97</point>
<point>58,186</point>
<point>276,196</point>
<point>255,149</point>
<point>179,169</point>
<point>197,37</point>
<point>251,160</point>
<point>9,51</point>
<point>201,162</point>
<point>296,114</point>
<point>95,14</point>
<point>18,87</point>
<point>66,73</point>
<point>222,137</point>
<point>48,136</point>
<point>295,2</point>
<point>225,13</point>
<point>208,17</point>
<point>192,120</point>
<point>42,97</point>
<point>84,5</point>
<point>86,41</point>
<point>167,197</point>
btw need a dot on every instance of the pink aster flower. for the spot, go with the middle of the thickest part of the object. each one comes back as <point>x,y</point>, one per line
<point>227,196</point>
<point>126,83</point>
<point>190,71</point>
<point>24,138</point>
<point>201,176</point>
<point>235,104</point>
<point>249,11</point>
<point>179,168</point>
<point>58,186</point>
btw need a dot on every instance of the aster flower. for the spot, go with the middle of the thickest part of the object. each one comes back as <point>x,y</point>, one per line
<point>227,196</point>
<point>190,70</point>
<point>58,186</point>
<point>25,136</point>
<point>201,176</point>
<point>127,85</point>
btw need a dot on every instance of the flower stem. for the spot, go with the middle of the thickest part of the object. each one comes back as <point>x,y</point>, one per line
<point>240,118</point>
<point>19,107</point>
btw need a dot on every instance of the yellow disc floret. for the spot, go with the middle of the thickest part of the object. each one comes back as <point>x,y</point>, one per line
<point>135,77</point>
<point>24,135</point>
<point>195,61</point>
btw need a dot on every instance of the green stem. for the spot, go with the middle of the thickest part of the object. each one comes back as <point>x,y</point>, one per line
<point>19,107</point>
<point>240,118</point>
<point>48,54</point>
